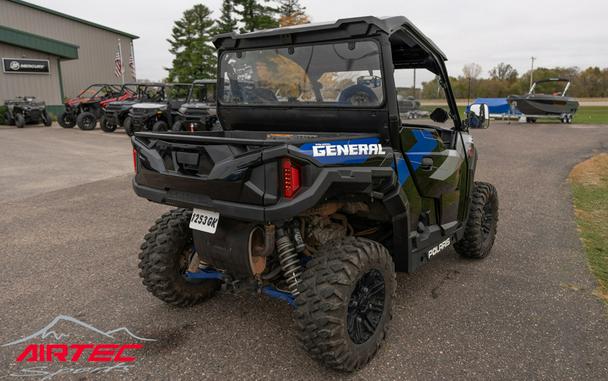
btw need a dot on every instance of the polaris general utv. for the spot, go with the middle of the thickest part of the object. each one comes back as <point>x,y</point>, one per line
<point>23,110</point>
<point>87,107</point>
<point>158,110</point>
<point>316,192</point>
<point>199,111</point>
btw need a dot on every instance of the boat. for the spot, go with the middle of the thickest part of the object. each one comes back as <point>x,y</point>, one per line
<point>536,105</point>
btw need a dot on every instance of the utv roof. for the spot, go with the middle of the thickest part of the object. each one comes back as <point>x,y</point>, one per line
<point>354,27</point>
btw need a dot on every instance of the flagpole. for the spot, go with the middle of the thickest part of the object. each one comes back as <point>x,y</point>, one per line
<point>122,68</point>
<point>133,60</point>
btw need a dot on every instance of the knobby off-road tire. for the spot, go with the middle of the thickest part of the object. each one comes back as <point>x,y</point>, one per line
<point>19,121</point>
<point>46,119</point>
<point>105,127</point>
<point>66,120</point>
<point>160,126</point>
<point>128,126</point>
<point>333,293</point>
<point>164,258</point>
<point>86,121</point>
<point>480,230</point>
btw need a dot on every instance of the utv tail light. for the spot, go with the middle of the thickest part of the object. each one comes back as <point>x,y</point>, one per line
<point>290,176</point>
<point>135,160</point>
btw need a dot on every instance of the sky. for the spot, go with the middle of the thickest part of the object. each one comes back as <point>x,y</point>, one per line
<point>556,32</point>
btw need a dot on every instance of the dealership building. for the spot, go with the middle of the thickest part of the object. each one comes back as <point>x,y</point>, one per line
<point>52,55</point>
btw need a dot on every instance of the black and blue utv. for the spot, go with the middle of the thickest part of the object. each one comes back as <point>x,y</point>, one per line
<point>316,192</point>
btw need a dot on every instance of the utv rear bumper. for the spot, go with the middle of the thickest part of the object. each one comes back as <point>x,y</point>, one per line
<point>329,180</point>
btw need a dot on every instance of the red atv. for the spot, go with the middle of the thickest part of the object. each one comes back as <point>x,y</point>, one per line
<point>88,106</point>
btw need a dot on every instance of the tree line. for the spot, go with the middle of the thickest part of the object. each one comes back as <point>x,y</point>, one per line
<point>504,80</point>
<point>191,47</point>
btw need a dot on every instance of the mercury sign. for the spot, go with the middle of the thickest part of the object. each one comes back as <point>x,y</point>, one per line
<point>25,66</point>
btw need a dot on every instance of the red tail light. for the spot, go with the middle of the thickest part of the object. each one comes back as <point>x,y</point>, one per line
<point>135,160</point>
<point>290,176</point>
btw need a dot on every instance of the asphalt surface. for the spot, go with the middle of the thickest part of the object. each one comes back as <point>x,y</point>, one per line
<point>70,228</point>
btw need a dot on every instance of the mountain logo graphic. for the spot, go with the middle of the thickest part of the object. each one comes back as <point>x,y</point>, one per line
<point>48,331</point>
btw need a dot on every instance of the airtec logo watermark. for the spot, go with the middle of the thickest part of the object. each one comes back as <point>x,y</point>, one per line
<point>68,346</point>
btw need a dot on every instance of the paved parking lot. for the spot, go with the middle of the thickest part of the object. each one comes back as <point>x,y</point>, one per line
<point>70,227</point>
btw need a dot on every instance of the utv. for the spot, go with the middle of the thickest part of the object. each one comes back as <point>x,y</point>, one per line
<point>116,114</point>
<point>199,111</point>
<point>316,192</point>
<point>23,110</point>
<point>87,107</point>
<point>158,110</point>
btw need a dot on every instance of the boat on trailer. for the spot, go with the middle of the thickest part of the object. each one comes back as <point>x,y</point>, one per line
<point>538,105</point>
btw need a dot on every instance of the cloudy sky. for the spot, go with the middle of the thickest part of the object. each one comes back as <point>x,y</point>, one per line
<point>557,32</point>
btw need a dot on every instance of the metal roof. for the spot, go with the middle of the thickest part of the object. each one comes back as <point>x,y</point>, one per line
<point>66,16</point>
<point>39,43</point>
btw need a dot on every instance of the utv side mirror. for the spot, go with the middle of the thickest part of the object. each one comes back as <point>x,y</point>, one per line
<point>439,115</point>
<point>478,116</point>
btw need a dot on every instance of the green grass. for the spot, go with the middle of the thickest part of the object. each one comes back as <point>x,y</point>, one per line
<point>590,190</point>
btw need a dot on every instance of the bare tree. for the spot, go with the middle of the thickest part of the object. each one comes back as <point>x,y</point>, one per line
<point>471,70</point>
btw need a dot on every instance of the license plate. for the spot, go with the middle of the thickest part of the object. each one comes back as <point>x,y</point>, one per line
<point>204,220</point>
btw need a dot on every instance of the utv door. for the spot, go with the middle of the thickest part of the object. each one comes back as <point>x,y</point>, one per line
<point>437,168</point>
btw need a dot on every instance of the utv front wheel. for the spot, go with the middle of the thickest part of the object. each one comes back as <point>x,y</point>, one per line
<point>160,126</point>
<point>46,119</point>
<point>19,121</point>
<point>480,230</point>
<point>86,121</point>
<point>166,255</point>
<point>105,127</point>
<point>128,126</point>
<point>345,302</point>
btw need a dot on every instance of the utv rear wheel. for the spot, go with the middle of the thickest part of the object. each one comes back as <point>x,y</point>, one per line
<point>19,121</point>
<point>66,120</point>
<point>46,119</point>
<point>345,302</point>
<point>105,127</point>
<point>160,126</point>
<point>480,230</point>
<point>165,257</point>
<point>86,121</point>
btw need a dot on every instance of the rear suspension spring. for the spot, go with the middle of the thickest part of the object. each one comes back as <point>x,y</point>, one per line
<point>290,263</point>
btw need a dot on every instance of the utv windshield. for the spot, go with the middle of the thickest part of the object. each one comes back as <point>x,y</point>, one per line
<point>340,74</point>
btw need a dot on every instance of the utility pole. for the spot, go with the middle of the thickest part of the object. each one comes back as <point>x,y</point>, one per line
<point>532,71</point>
<point>414,89</point>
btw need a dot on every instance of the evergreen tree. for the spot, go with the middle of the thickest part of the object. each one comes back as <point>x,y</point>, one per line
<point>226,23</point>
<point>255,16</point>
<point>194,55</point>
<point>291,12</point>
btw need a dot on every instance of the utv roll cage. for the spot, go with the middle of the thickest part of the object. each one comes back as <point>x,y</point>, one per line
<point>402,46</point>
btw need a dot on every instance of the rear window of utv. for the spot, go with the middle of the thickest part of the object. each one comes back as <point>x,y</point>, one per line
<point>341,74</point>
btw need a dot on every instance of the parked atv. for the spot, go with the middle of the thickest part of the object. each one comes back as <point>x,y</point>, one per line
<point>87,107</point>
<point>116,113</point>
<point>199,111</point>
<point>316,192</point>
<point>25,110</point>
<point>157,112</point>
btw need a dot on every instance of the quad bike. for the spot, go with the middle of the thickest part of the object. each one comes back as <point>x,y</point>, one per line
<point>87,108</point>
<point>25,110</point>
<point>159,108</point>
<point>316,191</point>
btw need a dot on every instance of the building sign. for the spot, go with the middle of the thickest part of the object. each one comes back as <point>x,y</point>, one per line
<point>25,66</point>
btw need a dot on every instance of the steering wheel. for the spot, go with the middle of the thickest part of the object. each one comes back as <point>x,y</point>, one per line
<point>358,95</point>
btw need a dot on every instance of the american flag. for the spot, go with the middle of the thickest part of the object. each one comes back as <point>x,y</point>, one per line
<point>118,62</point>
<point>132,61</point>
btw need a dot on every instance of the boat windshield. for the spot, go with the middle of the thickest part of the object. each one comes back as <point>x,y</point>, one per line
<point>346,74</point>
<point>556,87</point>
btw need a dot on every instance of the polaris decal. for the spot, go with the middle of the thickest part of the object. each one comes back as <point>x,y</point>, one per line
<point>438,248</point>
<point>354,151</point>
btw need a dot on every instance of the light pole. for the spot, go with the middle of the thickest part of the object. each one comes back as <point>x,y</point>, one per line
<point>532,71</point>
